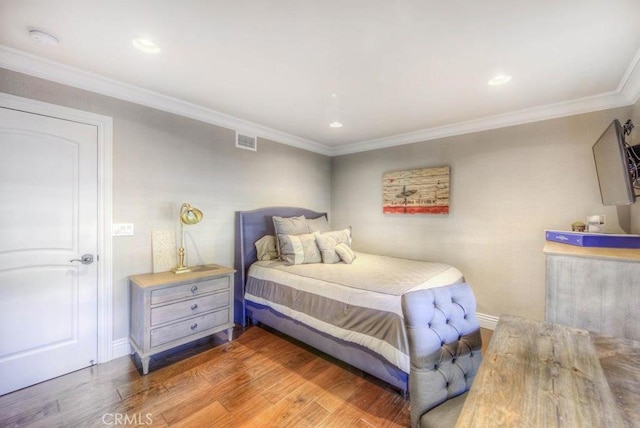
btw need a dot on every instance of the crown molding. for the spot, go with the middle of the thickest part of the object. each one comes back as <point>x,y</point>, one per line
<point>551,111</point>
<point>627,93</point>
<point>630,82</point>
<point>36,66</point>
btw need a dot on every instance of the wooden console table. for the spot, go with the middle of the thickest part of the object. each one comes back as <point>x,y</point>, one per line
<point>537,374</point>
<point>597,289</point>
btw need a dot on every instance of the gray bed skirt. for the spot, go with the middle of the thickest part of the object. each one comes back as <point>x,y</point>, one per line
<point>351,353</point>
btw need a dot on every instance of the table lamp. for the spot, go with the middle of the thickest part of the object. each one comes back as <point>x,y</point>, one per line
<point>188,215</point>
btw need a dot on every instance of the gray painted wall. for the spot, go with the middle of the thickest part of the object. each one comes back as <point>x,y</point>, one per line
<point>161,160</point>
<point>507,186</point>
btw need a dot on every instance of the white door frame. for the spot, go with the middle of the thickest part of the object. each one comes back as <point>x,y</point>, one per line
<point>104,125</point>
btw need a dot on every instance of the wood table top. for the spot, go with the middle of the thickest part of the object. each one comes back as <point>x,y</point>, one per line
<point>620,361</point>
<point>197,272</point>
<point>622,254</point>
<point>536,374</point>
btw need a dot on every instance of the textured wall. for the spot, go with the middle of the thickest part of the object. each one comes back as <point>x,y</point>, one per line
<point>161,160</point>
<point>507,186</point>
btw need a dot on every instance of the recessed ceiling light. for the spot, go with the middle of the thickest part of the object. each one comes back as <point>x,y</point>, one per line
<point>336,124</point>
<point>42,37</point>
<point>145,45</point>
<point>500,79</point>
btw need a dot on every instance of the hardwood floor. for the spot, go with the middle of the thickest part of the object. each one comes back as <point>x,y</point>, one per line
<point>259,379</point>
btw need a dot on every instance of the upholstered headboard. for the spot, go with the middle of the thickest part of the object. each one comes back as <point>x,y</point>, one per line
<point>251,226</point>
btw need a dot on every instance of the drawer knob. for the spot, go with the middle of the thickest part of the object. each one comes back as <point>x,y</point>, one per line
<point>194,326</point>
<point>194,306</point>
<point>194,288</point>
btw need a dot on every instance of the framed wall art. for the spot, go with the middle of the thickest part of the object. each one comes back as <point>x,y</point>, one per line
<point>416,191</point>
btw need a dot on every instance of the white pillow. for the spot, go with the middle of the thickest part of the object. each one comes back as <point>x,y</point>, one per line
<point>346,253</point>
<point>266,248</point>
<point>327,243</point>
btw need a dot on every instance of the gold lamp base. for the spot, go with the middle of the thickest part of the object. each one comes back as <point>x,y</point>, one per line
<point>188,215</point>
<point>178,270</point>
<point>181,268</point>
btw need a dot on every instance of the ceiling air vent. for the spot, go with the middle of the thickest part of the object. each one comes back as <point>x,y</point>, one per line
<point>246,142</point>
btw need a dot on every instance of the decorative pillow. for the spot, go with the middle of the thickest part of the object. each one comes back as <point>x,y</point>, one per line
<point>289,226</point>
<point>346,253</point>
<point>327,243</point>
<point>319,224</point>
<point>266,248</point>
<point>299,249</point>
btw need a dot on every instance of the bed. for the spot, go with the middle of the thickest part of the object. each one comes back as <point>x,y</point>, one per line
<point>349,311</point>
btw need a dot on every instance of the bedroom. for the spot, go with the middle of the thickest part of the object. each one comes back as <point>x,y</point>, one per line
<point>508,185</point>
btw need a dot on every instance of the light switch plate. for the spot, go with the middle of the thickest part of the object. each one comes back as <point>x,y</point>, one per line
<point>122,229</point>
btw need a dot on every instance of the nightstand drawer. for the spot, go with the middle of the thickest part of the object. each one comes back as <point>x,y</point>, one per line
<point>184,291</point>
<point>187,308</point>
<point>188,327</point>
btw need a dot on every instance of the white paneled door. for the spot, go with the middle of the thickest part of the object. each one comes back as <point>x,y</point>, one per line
<point>48,244</point>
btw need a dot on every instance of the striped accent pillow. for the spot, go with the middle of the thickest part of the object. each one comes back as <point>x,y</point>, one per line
<point>299,249</point>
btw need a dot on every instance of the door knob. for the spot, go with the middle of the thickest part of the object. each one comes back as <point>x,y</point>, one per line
<point>86,259</point>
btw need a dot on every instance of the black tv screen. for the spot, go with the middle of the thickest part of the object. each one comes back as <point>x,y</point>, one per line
<point>612,166</point>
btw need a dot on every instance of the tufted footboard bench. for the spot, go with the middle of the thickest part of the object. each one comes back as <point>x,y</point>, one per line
<point>445,352</point>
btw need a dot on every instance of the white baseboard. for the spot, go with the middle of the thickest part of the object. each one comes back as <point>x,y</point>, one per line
<point>120,348</point>
<point>487,321</point>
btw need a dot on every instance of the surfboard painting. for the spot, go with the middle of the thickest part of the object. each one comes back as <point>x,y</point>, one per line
<point>416,191</point>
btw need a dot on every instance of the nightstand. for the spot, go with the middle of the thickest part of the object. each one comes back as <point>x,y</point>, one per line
<point>168,309</point>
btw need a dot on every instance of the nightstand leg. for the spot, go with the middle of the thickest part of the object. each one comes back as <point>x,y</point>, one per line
<point>145,365</point>
<point>230,334</point>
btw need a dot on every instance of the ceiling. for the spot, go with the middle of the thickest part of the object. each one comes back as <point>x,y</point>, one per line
<point>391,71</point>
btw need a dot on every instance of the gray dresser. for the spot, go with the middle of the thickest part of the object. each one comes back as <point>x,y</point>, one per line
<point>168,310</point>
<point>595,289</point>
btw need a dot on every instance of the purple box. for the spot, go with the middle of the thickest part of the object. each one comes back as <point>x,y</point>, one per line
<point>585,239</point>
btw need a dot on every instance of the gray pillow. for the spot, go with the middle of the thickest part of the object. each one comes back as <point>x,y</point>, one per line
<point>299,249</point>
<point>289,226</point>
<point>319,224</point>
<point>327,243</point>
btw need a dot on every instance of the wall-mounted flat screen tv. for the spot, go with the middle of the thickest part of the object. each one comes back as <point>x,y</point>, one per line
<point>614,167</point>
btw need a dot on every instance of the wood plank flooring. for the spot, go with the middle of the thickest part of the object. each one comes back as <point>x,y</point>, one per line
<point>259,379</point>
